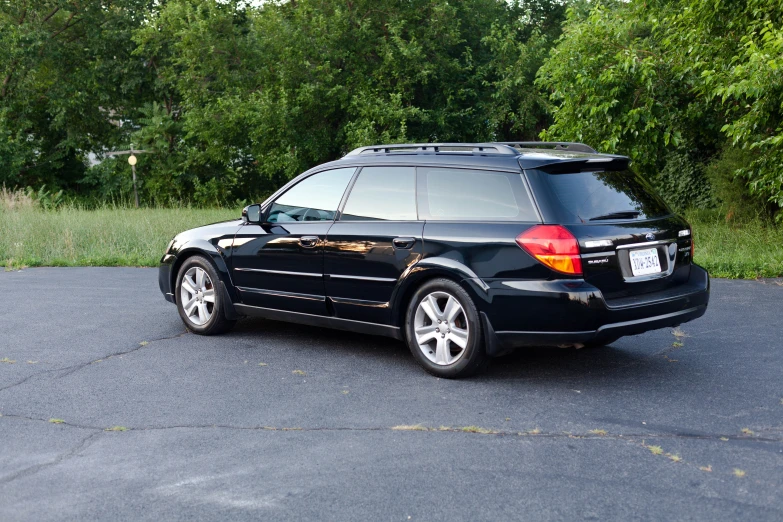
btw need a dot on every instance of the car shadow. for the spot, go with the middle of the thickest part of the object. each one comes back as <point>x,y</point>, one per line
<point>522,364</point>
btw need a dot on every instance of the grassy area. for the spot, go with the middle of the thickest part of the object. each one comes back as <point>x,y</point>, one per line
<point>119,236</point>
<point>741,250</point>
<point>104,237</point>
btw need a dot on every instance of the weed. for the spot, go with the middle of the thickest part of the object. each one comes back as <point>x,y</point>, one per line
<point>724,439</point>
<point>116,428</point>
<point>707,468</point>
<point>263,364</point>
<point>674,458</point>
<point>677,344</point>
<point>144,343</point>
<point>56,421</point>
<point>477,429</point>
<point>679,333</point>
<point>655,450</point>
<point>32,362</point>
<point>599,432</point>
<point>747,431</point>
<point>410,427</point>
<point>298,372</point>
<point>534,431</point>
<point>738,473</point>
<point>345,392</point>
<point>7,360</point>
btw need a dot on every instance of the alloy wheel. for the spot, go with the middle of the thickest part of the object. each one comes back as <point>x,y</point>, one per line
<point>197,295</point>
<point>441,328</point>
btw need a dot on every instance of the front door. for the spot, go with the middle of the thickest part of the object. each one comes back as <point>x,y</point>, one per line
<point>376,238</point>
<point>279,263</point>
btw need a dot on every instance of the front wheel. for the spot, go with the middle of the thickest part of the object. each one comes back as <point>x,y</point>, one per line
<point>443,330</point>
<point>199,300</point>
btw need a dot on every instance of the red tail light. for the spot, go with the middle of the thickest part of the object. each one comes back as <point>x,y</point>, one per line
<point>554,246</point>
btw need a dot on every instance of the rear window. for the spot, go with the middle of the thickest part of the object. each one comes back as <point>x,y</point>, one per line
<point>473,195</point>
<point>611,195</point>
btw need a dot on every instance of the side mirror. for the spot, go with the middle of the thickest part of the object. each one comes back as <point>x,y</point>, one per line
<point>251,213</point>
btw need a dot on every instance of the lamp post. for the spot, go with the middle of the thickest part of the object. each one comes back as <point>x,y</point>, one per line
<point>132,162</point>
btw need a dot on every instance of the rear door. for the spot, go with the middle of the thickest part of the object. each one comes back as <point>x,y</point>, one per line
<point>279,264</point>
<point>376,237</point>
<point>631,242</point>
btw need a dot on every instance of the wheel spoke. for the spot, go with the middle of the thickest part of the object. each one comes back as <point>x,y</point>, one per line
<point>189,280</point>
<point>442,352</point>
<point>209,296</point>
<point>187,286</point>
<point>430,307</point>
<point>189,306</point>
<point>458,336</point>
<point>203,314</point>
<point>199,278</point>
<point>452,309</point>
<point>425,334</point>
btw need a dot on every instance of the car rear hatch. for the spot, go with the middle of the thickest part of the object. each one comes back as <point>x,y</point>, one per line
<point>629,240</point>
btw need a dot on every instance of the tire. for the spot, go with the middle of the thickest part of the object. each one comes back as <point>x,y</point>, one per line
<point>205,317</point>
<point>444,356</point>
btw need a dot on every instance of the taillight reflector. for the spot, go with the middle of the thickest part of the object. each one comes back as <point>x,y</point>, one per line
<point>554,246</point>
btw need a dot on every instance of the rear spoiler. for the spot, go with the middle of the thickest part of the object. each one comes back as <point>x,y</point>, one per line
<point>578,164</point>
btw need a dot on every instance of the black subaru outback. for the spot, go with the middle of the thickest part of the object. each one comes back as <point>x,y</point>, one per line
<point>463,251</point>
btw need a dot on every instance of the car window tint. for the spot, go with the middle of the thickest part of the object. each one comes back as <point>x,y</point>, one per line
<point>382,193</point>
<point>315,198</point>
<point>463,194</point>
<point>585,196</point>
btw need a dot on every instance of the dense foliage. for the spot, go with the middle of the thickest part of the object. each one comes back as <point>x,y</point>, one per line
<point>678,85</point>
<point>235,97</point>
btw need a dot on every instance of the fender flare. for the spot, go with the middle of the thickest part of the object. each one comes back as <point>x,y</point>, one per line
<point>430,268</point>
<point>207,249</point>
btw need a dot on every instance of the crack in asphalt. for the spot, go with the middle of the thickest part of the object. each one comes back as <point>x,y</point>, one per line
<point>68,370</point>
<point>468,430</point>
<point>82,444</point>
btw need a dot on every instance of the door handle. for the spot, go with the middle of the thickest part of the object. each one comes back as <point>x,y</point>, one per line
<point>308,241</point>
<point>403,242</point>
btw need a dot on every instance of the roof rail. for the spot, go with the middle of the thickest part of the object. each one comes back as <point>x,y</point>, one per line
<point>556,145</point>
<point>474,148</point>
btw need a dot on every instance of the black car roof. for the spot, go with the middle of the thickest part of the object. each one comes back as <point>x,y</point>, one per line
<point>506,156</point>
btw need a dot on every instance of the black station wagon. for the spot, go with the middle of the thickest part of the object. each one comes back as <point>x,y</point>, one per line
<point>463,251</point>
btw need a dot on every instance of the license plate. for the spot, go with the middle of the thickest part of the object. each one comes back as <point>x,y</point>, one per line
<point>644,262</point>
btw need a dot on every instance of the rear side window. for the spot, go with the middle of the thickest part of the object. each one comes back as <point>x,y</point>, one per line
<point>473,195</point>
<point>603,196</point>
<point>382,193</point>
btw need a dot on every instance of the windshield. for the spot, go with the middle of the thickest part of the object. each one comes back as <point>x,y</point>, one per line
<point>611,195</point>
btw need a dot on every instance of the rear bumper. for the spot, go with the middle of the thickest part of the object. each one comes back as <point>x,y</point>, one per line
<point>533,313</point>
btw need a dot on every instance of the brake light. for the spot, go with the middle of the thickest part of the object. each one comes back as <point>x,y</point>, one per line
<point>554,246</point>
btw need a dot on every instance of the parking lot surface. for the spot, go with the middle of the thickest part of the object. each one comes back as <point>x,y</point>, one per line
<point>111,410</point>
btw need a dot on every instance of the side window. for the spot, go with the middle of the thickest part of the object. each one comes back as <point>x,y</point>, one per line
<point>315,198</point>
<point>382,193</point>
<point>473,195</point>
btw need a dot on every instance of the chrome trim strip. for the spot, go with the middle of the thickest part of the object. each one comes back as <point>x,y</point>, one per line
<point>280,293</point>
<point>359,302</point>
<point>279,272</point>
<point>598,254</point>
<point>363,278</point>
<point>648,243</point>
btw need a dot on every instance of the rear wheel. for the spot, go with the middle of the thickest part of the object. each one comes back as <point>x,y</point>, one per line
<point>199,301</point>
<point>443,330</point>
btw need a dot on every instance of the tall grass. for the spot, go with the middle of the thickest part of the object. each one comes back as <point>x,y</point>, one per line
<point>107,236</point>
<point>119,235</point>
<point>742,249</point>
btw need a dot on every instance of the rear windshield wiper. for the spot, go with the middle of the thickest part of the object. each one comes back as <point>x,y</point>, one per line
<point>617,215</point>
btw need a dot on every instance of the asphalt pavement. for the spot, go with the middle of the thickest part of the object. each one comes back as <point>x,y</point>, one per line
<point>111,410</point>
